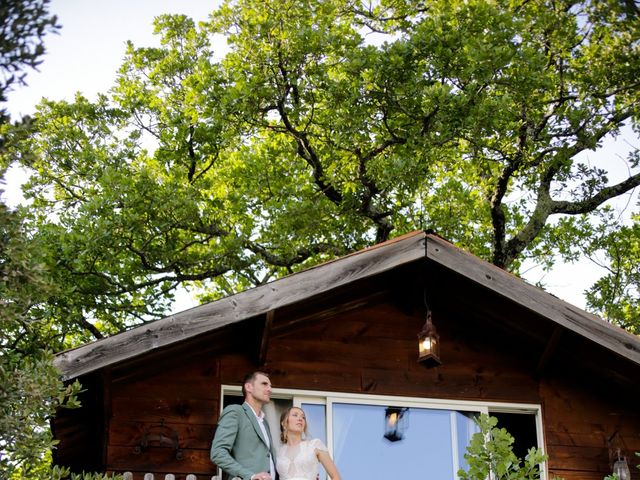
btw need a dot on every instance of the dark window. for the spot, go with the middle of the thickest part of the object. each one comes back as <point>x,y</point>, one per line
<point>522,428</point>
<point>232,399</point>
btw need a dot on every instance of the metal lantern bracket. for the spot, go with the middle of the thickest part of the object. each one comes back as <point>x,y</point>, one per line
<point>159,435</point>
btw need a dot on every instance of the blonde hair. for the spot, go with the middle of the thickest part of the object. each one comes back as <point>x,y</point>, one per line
<point>283,424</point>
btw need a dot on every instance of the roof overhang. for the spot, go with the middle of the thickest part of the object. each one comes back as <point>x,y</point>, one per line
<point>332,275</point>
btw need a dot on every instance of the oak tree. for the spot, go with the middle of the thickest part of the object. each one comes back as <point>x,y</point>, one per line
<point>326,126</point>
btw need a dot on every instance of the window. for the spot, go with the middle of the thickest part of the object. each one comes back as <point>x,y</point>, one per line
<point>433,439</point>
<point>522,427</point>
<point>429,447</point>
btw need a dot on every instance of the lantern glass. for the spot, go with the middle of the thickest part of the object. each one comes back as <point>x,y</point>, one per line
<point>621,469</point>
<point>429,344</point>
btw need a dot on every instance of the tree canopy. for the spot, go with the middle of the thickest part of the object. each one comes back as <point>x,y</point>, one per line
<point>326,126</point>
<point>30,387</point>
<point>23,26</point>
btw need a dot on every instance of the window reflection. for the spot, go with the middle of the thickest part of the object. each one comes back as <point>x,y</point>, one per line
<point>395,422</point>
<point>432,445</point>
<point>317,426</point>
<point>465,428</point>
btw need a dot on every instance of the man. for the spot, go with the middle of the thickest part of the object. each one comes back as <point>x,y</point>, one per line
<point>242,446</point>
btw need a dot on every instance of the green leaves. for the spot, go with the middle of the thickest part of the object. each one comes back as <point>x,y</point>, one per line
<point>490,455</point>
<point>616,293</point>
<point>31,392</point>
<point>25,24</point>
<point>30,388</point>
<point>328,126</point>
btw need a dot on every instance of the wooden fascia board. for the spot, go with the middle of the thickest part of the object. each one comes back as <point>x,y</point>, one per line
<point>535,299</point>
<point>250,303</point>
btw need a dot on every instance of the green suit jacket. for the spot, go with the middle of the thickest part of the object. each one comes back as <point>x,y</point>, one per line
<point>238,446</point>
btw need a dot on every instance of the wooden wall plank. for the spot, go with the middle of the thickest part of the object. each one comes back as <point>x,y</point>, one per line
<point>372,349</point>
<point>183,399</point>
<point>154,410</point>
<point>81,431</point>
<point>190,435</point>
<point>159,460</point>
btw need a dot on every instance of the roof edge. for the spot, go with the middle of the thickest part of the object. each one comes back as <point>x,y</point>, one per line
<point>534,298</point>
<point>241,306</point>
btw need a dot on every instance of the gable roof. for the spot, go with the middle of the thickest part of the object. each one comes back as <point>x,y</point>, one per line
<point>334,274</point>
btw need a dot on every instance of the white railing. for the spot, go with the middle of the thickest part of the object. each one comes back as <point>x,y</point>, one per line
<point>168,476</point>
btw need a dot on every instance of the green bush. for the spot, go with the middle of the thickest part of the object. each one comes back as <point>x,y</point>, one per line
<point>491,452</point>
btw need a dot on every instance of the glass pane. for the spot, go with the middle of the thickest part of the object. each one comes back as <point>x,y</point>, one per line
<point>316,420</point>
<point>232,399</point>
<point>424,450</point>
<point>466,427</point>
<point>522,427</point>
<point>316,425</point>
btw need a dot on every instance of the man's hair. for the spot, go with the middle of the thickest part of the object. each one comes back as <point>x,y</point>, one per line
<point>249,378</point>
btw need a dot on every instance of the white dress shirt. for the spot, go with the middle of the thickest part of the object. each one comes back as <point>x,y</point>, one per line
<point>263,428</point>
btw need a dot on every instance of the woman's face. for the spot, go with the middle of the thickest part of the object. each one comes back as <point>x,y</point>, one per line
<point>296,421</point>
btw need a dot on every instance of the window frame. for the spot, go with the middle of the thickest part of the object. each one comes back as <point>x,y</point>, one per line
<point>328,398</point>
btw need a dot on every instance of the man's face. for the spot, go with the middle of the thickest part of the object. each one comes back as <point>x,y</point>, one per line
<point>260,388</point>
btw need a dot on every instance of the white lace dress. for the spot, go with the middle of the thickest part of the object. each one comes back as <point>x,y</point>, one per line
<point>299,462</point>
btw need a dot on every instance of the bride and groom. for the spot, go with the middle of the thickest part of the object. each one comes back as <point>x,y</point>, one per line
<point>243,448</point>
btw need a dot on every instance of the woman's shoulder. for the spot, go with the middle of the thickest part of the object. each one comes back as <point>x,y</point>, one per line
<point>316,444</point>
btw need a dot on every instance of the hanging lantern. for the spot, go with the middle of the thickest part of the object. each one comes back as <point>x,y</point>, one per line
<point>429,344</point>
<point>395,423</point>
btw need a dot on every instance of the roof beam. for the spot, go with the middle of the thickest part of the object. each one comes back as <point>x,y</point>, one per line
<point>549,350</point>
<point>264,338</point>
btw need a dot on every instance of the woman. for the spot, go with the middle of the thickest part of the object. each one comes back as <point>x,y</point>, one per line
<point>299,457</point>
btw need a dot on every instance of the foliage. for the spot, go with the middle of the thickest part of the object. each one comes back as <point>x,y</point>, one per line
<point>328,126</point>
<point>30,395</point>
<point>617,294</point>
<point>490,455</point>
<point>23,25</point>
<point>30,388</point>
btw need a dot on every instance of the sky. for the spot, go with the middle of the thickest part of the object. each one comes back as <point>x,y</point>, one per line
<point>90,47</point>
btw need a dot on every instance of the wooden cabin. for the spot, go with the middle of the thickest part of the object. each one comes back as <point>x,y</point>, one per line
<point>341,340</point>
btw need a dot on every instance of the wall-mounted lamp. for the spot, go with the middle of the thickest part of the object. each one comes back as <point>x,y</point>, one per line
<point>395,423</point>
<point>620,465</point>
<point>621,468</point>
<point>429,343</point>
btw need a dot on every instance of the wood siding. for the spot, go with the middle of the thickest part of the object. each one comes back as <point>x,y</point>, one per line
<point>181,398</point>
<point>370,350</point>
<point>363,339</point>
